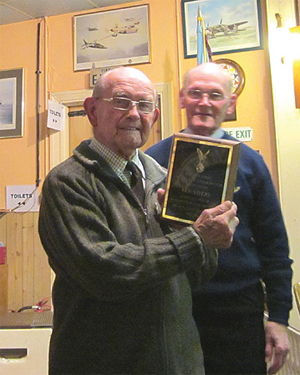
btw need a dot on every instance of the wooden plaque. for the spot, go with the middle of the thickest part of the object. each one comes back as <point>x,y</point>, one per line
<point>202,174</point>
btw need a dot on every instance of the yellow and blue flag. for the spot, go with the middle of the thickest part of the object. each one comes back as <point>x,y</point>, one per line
<point>203,49</point>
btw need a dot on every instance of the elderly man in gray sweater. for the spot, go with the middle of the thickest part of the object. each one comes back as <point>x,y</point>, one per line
<point>122,292</point>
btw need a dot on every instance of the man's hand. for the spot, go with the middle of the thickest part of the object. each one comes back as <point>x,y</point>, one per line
<point>217,225</point>
<point>161,196</point>
<point>277,346</point>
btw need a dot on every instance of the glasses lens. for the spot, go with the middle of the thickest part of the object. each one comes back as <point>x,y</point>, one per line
<point>213,96</point>
<point>145,106</point>
<point>216,96</point>
<point>121,103</point>
<point>195,94</point>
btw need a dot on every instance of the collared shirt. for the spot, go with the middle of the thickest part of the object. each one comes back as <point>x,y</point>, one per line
<point>217,134</point>
<point>116,162</point>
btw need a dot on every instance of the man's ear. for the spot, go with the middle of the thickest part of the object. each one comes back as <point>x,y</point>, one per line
<point>181,99</point>
<point>90,109</point>
<point>232,105</point>
<point>156,114</point>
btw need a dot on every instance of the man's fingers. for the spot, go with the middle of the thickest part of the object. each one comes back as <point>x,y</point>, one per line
<point>226,206</point>
<point>277,362</point>
<point>160,196</point>
<point>217,225</point>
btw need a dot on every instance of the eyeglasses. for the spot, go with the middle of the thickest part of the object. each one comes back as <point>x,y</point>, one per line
<point>213,96</point>
<point>124,104</point>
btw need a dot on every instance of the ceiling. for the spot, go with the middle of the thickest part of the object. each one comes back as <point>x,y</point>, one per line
<point>12,11</point>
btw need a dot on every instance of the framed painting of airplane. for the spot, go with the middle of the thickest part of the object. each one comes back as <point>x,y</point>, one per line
<point>231,26</point>
<point>112,38</point>
<point>11,103</point>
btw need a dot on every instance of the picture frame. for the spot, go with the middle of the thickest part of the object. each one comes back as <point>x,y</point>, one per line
<point>11,103</point>
<point>112,38</point>
<point>231,27</point>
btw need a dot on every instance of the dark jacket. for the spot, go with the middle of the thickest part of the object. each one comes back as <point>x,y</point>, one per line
<point>259,250</point>
<point>122,300</point>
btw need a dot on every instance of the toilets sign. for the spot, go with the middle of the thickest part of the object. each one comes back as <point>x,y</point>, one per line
<point>22,198</point>
<point>241,134</point>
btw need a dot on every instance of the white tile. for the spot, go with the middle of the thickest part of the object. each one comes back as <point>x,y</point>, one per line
<point>21,10</point>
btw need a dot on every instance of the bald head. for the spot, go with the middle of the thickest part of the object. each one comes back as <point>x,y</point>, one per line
<point>210,71</point>
<point>121,74</point>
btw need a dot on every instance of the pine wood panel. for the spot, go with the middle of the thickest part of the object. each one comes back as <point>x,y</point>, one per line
<point>3,288</point>
<point>29,274</point>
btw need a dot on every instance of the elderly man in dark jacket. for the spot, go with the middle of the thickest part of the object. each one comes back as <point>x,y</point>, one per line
<point>256,272</point>
<point>122,298</point>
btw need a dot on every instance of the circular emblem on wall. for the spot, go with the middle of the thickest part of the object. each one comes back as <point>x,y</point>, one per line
<point>236,72</point>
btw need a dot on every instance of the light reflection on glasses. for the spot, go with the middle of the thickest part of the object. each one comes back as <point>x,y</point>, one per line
<point>213,95</point>
<point>124,104</point>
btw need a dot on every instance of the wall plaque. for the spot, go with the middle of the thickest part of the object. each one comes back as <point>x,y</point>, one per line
<point>202,174</point>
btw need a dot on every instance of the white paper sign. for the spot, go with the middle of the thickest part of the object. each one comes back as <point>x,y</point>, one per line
<point>55,116</point>
<point>22,198</point>
<point>241,134</point>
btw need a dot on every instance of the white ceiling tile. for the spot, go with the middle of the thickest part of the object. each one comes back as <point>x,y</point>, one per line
<point>105,3</point>
<point>7,15</point>
<point>45,8</point>
<point>12,11</point>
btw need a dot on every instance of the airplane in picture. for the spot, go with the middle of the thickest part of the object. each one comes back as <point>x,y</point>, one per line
<point>129,29</point>
<point>92,29</point>
<point>135,22</point>
<point>211,31</point>
<point>92,45</point>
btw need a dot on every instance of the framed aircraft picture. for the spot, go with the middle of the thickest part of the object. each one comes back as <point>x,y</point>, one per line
<point>230,26</point>
<point>112,38</point>
<point>11,103</point>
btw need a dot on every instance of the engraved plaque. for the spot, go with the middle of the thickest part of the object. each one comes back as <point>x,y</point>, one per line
<point>202,174</point>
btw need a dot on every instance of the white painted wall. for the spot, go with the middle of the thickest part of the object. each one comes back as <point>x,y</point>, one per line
<point>287,127</point>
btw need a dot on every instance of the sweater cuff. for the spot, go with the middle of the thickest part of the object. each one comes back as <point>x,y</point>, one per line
<point>280,316</point>
<point>189,246</point>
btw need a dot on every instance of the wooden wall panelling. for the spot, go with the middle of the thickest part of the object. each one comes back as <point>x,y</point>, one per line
<point>28,259</point>
<point>42,272</point>
<point>29,275</point>
<point>3,230</point>
<point>14,260</point>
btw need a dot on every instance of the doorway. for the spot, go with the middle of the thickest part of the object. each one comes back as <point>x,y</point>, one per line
<point>77,128</point>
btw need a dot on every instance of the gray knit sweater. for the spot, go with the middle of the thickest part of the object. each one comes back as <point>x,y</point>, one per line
<point>122,295</point>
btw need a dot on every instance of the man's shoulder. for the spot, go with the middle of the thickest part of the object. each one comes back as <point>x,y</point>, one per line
<point>161,151</point>
<point>245,151</point>
<point>161,145</point>
<point>150,162</point>
<point>84,158</point>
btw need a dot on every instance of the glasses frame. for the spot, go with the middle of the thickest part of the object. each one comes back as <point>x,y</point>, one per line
<point>202,93</point>
<point>131,103</point>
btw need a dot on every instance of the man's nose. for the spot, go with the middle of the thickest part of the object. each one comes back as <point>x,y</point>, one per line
<point>204,100</point>
<point>133,110</point>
